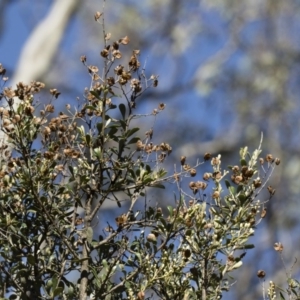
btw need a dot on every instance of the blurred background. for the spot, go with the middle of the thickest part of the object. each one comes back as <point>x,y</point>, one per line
<point>228,70</point>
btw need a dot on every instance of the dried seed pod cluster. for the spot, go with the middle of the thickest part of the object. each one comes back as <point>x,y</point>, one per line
<point>164,149</point>
<point>198,185</point>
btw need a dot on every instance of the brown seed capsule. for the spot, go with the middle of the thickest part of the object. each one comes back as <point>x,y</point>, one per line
<point>47,130</point>
<point>261,273</point>
<point>277,161</point>
<point>191,203</point>
<point>186,167</point>
<point>161,106</point>
<point>215,161</point>
<point>139,145</point>
<point>207,156</point>
<point>176,176</point>
<point>249,173</point>
<point>192,185</point>
<point>235,169</point>
<point>104,53</point>
<point>238,179</point>
<point>141,295</point>
<point>49,108</point>
<point>244,169</point>
<point>201,185</point>
<point>216,195</point>
<point>159,210</point>
<point>204,186</point>
<point>182,160</point>
<point>17,119</point>
<point>193,172</point>
<point>124,41</point>
<point>230,259</point>
<point>257,183</point>
<point>261,160</point>
<point>217,175</point>
<point>187,253</point>
<point>110,81</point>
<point>278,247</point>
<point>269,158</point>
<point>207,176</point>
<point>271,190</point>
<point>263,213</point>
<point>117,54</point>
<point>253,211</point>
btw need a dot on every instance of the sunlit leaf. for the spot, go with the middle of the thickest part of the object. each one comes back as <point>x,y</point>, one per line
<point>89,234</point>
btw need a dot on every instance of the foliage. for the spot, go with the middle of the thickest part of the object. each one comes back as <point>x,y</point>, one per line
<point>67,166</point>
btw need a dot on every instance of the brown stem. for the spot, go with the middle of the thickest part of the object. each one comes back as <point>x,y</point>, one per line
<point>85,251</point>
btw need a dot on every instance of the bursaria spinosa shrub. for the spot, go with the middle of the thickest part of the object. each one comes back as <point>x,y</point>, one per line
<point>60,169</point>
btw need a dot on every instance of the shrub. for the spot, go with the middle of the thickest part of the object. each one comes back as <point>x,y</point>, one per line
<point>66,166</point>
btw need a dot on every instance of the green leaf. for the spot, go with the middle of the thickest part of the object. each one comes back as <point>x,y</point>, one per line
<point>147,180</point>
<point>227,183</point>
<point>242,198</point>
<point>236,265</point>
<point>139,257</point>
<point>70,290</point>
<point>132,131</point>
<point>232,190</point>
<point>122,109</point>
<point>247,246</point>
<point>133,140</point>
<point>243,162</point>
<point>170,209</point>
<point>94,93</point>
<point>121,145</point>
<point>112,106</point>
<point>58,292</point>
<point>158,185</point>
<point>112,131</point>
<point>108,121</point>
<point>97,152</point>
<point>163,221</point>
<point>31,259</point>
<point>161,173</point>
<point>123,124</point>
<point>91,107</point>
<point>239,189</point>
<point>99,127</point>
<point>243,152</point>
<point>54,281</point>
<point>281,296</point>
<point>88,140</point>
